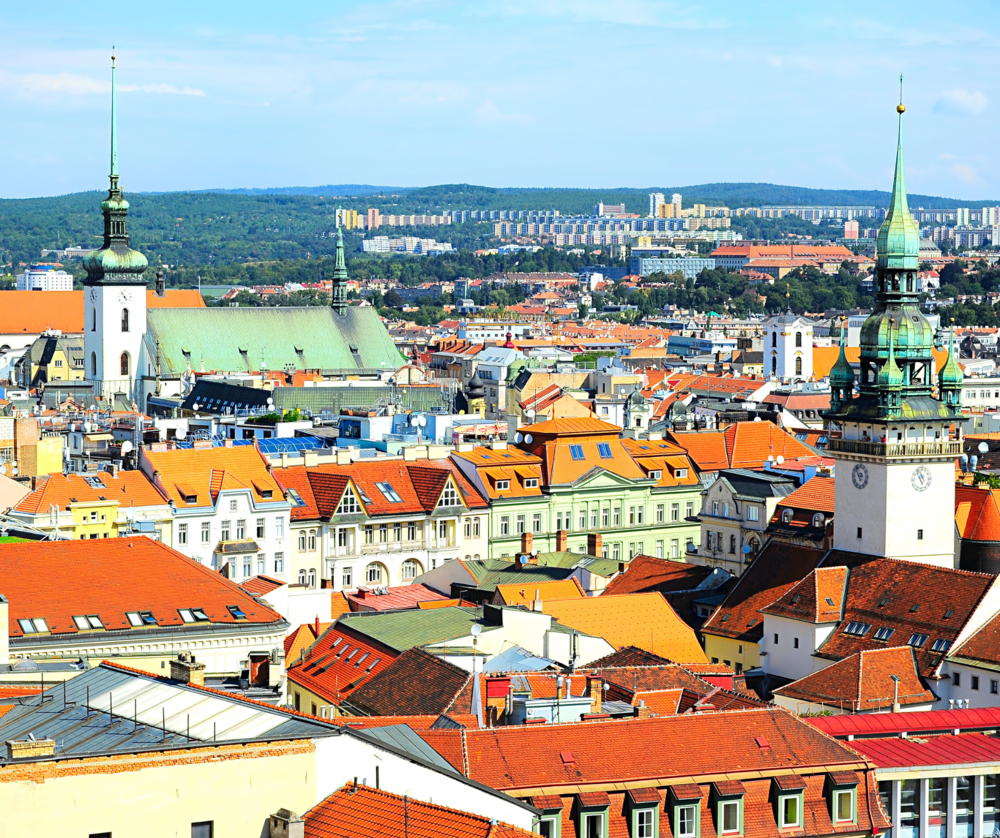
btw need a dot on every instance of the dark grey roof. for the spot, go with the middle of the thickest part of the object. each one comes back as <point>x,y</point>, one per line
<point>757,484</point>
<point>403,738</point>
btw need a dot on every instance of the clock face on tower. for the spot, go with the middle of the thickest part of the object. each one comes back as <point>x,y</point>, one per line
<point>859,475</point>
<point>93,295</point>
<point>921,478</point>
<point>123,295</point>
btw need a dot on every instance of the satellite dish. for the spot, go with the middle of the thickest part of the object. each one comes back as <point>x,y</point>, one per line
<point>126,447</point>
<point>983,448</point>
<point>181,433</point>
<point>270,402</point>
<point>530,413</point>
<point>518,437</point>
<point>780,459</point>
<point>476,630</point>
<point>770,458</point>
<point>3,469</point>
<point>522,559</point>
<point>14,471</point>
<point>528,438</point>
<point>746,549</point>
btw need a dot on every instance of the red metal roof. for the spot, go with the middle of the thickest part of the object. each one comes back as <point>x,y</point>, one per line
<point>888,724</point>
<point>937,750</point>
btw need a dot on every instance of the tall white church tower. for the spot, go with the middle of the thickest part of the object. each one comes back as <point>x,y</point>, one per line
<point>895,490</point>
<point>115,296</point>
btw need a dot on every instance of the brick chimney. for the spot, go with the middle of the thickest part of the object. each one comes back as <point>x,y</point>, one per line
<point>642,711</point>
<point>595,686</point>
<point>186,670</point>
<point>594,544</point>
<point>562,541</point>
<point>286,824</point>
<point>30,748</point>
<point>526,540</point>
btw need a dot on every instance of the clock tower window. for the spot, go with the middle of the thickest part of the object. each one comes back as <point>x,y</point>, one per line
<point>124,319</point>
<point>125,365</point>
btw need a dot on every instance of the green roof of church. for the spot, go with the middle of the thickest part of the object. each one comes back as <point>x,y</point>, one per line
<point>310,338</point>
<point>898,242</point>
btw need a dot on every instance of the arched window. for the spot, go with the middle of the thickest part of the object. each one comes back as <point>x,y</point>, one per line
<point>93,363</point>
<point>312,577</point>
<point>798,340</point>
<point>410,570</point>
<point>302,541</point>
<point>125,365</point>
<point>93,322</point>
<point>732,544</point>
<point>373,574</point>
<point>774,338</point>
<point>786,516</point>
<point>124,319</point>
<point>774,366</point>
<point>818,520</point>
<point>302,577</point>
<point>798,366</point>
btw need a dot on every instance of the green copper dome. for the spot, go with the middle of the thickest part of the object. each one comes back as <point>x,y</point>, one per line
<point>890,376</point>
<point>951,376</point>
<point>842,374</point>
<point>338,294</point>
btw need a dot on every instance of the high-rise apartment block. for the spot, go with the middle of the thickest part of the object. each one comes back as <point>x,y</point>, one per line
<point>656,202</point>
<point>851,229</point>
<point>44,278</point>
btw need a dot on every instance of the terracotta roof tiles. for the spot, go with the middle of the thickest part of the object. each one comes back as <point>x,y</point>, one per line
<point>647,573</point>
<point>819,598</point>
<point>338,663</point>
<point>128,488</point>
<point>203,472</point>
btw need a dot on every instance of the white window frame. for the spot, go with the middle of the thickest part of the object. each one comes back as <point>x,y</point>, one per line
<point>784,799</point>
<point>693,809</point>
<point>852,796</point>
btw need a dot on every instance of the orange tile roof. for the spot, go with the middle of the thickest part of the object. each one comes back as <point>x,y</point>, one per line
<point>661,702</point>
<point>25,312</point>
<point>403,596</point>
<point>977,512</point>
<point>423,722</point>
<point>204,471</point>
<point>59,580</point>
<point>741,445</point>
<point>300,639</point>
<point>357,811</point>
<point>526,594</point>
<point>862,682</point>
<point>338,604</point>
<point>128,488</point>
<point>824,357</point>
<point>690,745</point>
<point>261,585</point>
<point>646,621</point>
<point>819,598</point>
<point>815,495</point>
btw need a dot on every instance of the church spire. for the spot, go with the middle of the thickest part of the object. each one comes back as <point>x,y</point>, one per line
<point>898,243</point>
<point>338,297</point>
<point>115,263</point>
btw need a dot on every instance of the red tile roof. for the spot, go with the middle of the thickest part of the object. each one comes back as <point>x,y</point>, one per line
<point>425,722</point>
<point>815,495</point>
<point>261,585</point>
<point>338,663</point>
<point>528,757</point>
<point>741,445</point>
<point>892,724</point>
<point>629,656</point>
<point>776,569</point>
<point>404,596</point>
<point>59,580</point>
<point>416,683</point>
<point>911,599</point>
<point>357,811</point>
<point>977,512</point>
<point>862,683</point>
<point>964,749</point>
<point>646,573</point>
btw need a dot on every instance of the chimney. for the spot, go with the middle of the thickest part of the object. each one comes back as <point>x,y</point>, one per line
<point>526,540</point>
<point>595,685</point>
<point>562,541</point>
<point>594,544</point>
<point>642,711</point>
<point>537,604</point>
<point>4,632</point>
<point>286,824</point>
<point>30,748</point>
<point>186,670</point>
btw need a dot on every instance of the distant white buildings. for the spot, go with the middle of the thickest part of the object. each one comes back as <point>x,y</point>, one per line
<point>405,244</point>
<point>44,278</point>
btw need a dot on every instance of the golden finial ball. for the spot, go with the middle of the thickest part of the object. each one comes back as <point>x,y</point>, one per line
<point>900,107</point>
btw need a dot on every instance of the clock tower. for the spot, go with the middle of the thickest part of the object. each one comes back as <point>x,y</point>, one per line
<point>895,489</point>
<point>115,295</point>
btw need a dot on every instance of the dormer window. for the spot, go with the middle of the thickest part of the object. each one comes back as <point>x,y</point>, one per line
<point>449,497</point>
<point>503,485</point>
<point>842,795</point>
<point>643,811</point>
<point>592,814</point>
<point>788,796</point>
<point>530,482</point>
<point>728,798</point>
<point>656,475</point>
<point>349,504</point>
<point>786,516</point>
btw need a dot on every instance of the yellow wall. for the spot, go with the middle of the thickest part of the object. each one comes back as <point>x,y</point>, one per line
<point>49,455</point>
<point>236,787</point>
<point>83,527</point>
<point>732,651</point>
<point>307,699</point>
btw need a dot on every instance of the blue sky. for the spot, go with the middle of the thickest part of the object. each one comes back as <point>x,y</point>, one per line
<point>590,93</point>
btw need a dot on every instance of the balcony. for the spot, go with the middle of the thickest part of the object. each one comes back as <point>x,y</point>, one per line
<point>388,547</point>
<point>895,450</point>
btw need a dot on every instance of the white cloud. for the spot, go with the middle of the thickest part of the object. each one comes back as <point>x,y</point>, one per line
<point>961,101</point>
<point>70,84</point>
<point>966,174</point>
<point>489,112</point>
<point>946,156</point>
